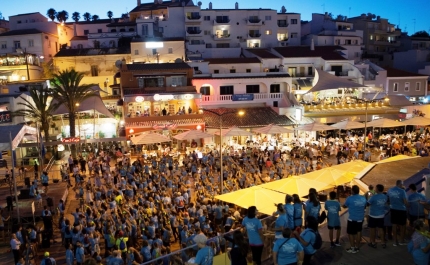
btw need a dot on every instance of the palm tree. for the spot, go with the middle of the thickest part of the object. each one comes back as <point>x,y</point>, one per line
<point>51,13</point>
<point>62,16</point>
<point>38,108</point>
<point>95,17</point>
<point>87,16</point>
<point>110,14</point>
<point>76,16</point>
<point>68,91</point>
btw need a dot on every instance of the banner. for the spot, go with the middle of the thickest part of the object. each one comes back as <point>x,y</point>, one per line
<point>242,97</point>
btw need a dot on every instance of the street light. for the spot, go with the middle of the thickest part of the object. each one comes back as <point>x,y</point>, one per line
<point>220,115</point>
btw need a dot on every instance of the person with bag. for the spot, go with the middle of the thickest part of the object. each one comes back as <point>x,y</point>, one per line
<point>240,248</point>
<point>310,239</point>
<point>121,244</point>
<point>286,250</point>
<point>47,260</point>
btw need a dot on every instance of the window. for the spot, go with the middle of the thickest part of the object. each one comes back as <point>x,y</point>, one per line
<point>207,32</point>
<point>268,32</point>
<point>207,18</point>
<point>293,21</point>
<point>30,43</point>
<point>254,19</point>
<point>94,70</point>
<point>275,88</point>
<point>417,86</point>
<point>3,45</point>
<point>170,50</point>
<point>144,30</point>
<point>407,84</point>
<point>17,44</point>
<point>154,51</point>
<point>310,70</point>
<point>268,18</point>
<point>223,45</point>
<point>205,90</point>
<point>252,89</point>
<point>99,30</point>
<point>208,45</point>
<point>282,23</point>
<point>248,70</point>
<point>154,82</point>
<point>232,71</point>
<point>80,46</point>
<point>222,19</point>
<point>177,80</point>
<point>226,90</point>
<point>395,87</point>
<point>136,52</point>
<point>371,37</point>
<point>293,35</point>
<point>216,71</point>
<point>140,82</point>
<point>86,32</point>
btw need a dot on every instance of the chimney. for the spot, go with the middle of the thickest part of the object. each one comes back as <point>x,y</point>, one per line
<point>74,29</point>
<point>210,5</point>
<point>139,2</point>
<point>312,45</point>
<point>236,5</point>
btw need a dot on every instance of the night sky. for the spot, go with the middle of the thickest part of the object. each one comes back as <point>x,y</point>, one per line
<point>412,15</point>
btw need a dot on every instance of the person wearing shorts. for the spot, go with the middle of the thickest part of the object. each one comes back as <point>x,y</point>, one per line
<point>332,206</point>
<point>398,202</point>
<point>416,208</point>
<point>356,204</point>
<point>377,204</point>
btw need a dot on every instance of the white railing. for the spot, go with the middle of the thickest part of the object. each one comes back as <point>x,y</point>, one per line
<point>257,96</point>
<point>112,34</point>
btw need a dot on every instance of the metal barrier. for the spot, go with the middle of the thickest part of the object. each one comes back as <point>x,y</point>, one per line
<point>220,258</point>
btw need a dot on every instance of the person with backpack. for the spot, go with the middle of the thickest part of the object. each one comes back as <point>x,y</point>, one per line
<point>121,244</point>
<point>310,239</point>
<point>356,204</point>
<point>286,250</point>
<point>47,260</point>
<point>332,206</point>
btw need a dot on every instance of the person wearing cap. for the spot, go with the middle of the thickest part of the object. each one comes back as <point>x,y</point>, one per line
<point>205,253</point>
<point>47,260</point>
<point>116,258</point>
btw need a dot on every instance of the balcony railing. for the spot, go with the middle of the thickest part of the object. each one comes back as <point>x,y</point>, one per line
<point>150,121</point>
<point>222,37</point>
<point>157,90</point>
<point>257,96</point>
<point>221,21</point>
<point>254,35</point>
<point>254,22</point>
<point>282,25</point>
<point>112,34</point>
<point>193,32</point>
<point>194,17</point>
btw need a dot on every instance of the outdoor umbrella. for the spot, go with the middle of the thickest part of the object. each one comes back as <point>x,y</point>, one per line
<point>294,185</point>
<point>192,134</point>
<point>417,121</point>
<point>357,167</point>
<point>150,138</point>
<point>234,131</point>
<point>347,125</point>
<point>273,129</point>
<point>384,123</point>
<point>313,127</point>
<point>263,199</point>
<point>330,176</point>
<point>396,158</point>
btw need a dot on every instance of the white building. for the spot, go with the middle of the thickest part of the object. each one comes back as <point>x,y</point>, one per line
<point>324,30</point>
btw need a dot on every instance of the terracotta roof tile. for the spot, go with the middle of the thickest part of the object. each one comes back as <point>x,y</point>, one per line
<point>253,117</point>
<point>239,60</point>
<point>325,52</point>
<point>393,72</point>
<point>21,32</point>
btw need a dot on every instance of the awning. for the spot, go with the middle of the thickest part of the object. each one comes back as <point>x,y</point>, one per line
<point>294,185</point>
<point>94,103</point>
<point>326,81</point>
<point>17,132</point>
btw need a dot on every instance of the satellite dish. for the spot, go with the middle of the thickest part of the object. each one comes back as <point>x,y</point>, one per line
<point>118,64</point>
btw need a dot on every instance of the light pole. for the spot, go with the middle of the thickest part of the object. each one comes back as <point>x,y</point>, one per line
<point>220,115</point>
<point>365,127</point>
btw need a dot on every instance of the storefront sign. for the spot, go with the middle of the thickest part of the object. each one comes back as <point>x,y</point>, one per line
<point>158,97</point>
<point>242,97</point>
<point>139,99</point>
<point>5,117</point>
<point>162,97</point>
<point>70,140</point>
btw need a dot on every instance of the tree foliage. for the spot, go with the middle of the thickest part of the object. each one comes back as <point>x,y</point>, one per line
<point>109,14</point>
<point>95,17</point>
<point>421,34</point>
<point>62,16</point>
<point>87,16</point>
<point>51,13</point>
<point>76,16</point>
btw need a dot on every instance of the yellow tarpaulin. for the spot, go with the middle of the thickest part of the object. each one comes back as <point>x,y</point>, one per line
<point>331,176</point>
<point>294,185</point>
<point>396,158</point>
<point>263,199</point>
<point>358,167</point>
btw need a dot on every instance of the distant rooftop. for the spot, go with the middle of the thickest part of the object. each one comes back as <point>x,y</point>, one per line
<point>157,39</point>
<point>25,14</point>
<point>21,32</point>
<point>263,53</point>
<point>156,66</point>
<point>393,72</point>
<point>325,52</point>
<point>92,52</point>
<point>241,60</point>
<point>165,4</point>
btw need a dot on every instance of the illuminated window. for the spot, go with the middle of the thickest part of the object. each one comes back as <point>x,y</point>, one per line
<point>268,32</point>
<point>395,87</point>
<point>417,86</point>
<point>407,84</point>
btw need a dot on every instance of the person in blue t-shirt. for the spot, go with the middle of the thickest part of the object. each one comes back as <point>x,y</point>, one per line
<point>286,249</point>
<point>416,208</point>
<point>398,204</point>
<point>377,206</point>
<point>298,211</point>
<point>289,211</point>
<point>254,230</point>
<point>419,246</point>
<point>356,204</point>
<point>205,254</point>
<point>332,207</point>
<point>281,222</point>
<point>313,206</point>
<point>308,238</point>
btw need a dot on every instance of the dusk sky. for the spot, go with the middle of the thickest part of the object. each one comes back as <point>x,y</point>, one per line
<point>412,15</point>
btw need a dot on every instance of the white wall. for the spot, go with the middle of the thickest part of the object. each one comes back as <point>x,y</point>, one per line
<point>139,52</point>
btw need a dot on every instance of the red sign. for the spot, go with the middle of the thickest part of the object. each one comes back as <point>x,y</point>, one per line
<point>71,140</point>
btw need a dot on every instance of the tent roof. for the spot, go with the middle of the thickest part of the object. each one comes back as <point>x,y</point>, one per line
<point>347,124</point>
<point>325,81</point>
<point>17,132</point>
<point>90,104</point>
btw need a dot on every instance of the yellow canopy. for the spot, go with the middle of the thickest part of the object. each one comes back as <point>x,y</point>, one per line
<point>396,158</point>
<point>294,185</point>
<point>330,176</point>
<point>263,199</point>
<point>355,167</point>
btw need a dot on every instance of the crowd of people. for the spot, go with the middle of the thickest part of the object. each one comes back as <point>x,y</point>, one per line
<point>132,212</point>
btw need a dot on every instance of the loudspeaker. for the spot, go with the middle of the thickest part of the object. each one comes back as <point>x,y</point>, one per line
<point>24,194</point>
<point>50,202</point>
<point>27,182</point>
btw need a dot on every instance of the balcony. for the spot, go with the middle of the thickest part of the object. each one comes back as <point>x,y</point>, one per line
<point>283,24</point>
<point>254,35</point>
<point>386,42</point>
<point>194,32</point>
<point>254,22</point>
<point>223,21</point>
<point>259,97</point>
<point>111,35</point>
<point>221,37</point>
<point>158,90</point>
<point>193,19</point>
